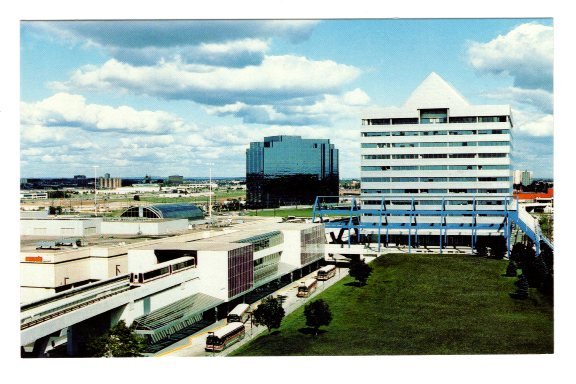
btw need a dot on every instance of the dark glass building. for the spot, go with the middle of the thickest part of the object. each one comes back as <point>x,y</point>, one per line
<point>289,170</point>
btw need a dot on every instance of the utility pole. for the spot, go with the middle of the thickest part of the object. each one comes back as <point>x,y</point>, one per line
<point>210,193</point>
<point>95,211</point>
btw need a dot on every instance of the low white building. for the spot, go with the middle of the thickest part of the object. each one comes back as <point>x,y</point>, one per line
<point>54,226</point>
<point>257,253</point>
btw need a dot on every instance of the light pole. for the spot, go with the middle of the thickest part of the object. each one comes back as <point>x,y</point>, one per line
<point>210,193</point>
<point>95,166</point>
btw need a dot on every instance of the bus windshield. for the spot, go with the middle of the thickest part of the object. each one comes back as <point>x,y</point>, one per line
<point>302,289</point>
<point>213,340</point>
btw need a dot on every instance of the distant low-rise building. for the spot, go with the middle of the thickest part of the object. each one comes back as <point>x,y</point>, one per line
<point>175,179</point>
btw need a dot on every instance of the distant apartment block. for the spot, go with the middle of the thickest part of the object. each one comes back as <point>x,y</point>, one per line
<point>108,182</point>
<point>288,170</point>
<point>523,177</point>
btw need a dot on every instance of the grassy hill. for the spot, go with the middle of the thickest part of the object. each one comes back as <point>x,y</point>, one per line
<point>420,304</point>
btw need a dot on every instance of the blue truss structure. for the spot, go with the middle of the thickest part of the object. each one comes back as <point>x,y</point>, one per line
<point>504,214</point>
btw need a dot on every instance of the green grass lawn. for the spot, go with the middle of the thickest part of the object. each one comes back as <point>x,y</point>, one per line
<point>300,212</point>
<point>420,304</point>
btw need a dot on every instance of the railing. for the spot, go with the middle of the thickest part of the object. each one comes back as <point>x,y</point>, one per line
<point>405,213</point>
<point>60,304</point>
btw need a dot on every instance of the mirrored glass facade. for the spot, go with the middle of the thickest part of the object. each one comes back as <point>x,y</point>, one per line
<point>287,170</point>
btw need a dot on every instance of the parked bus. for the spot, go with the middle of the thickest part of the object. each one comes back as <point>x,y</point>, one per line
<point>224,337</point>
<point>306,288</point>
<point>239,314</point>
<point>326,272</point>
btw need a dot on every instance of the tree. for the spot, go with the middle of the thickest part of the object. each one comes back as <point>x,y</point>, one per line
<point>517,252</point>
<point>55,210</point>
<point>547,256</point>
<point>269,313</point>
<point>360,271</point>
<point>317,314</point>
<point>136,197</point>
<point>481,249</point>
<point>119,341</point>
<point>512,269</point>
<point>497,247</point>
<point>521,288</point>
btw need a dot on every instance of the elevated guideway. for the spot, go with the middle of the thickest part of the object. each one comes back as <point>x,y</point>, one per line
<point>48,316</point>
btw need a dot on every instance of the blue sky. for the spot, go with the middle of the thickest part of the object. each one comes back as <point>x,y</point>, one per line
<point>168,97</point>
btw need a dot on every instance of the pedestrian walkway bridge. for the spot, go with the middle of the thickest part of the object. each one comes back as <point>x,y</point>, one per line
<point>434,215</point>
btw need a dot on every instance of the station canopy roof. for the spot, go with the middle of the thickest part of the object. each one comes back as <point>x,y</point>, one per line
<point>165,211</point>
<point>173,317</point>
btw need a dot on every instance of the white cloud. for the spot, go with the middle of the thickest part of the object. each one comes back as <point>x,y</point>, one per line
<point>37,133</point>
<point>147,33</point>
<point>537,99</point>
<point>235,47</point>
<point>68,110</point>
<point>148,141</point>
<point>532,123</point>
<point>356,97</point>
<point>144,42</point>
<point>525,53</point>
<point>277,78</point>
<point>324,111</point>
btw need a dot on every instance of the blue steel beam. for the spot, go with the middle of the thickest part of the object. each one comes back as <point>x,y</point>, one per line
<point>509,216</point>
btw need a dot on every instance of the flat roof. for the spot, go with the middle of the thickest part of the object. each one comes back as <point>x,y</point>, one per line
<point>199,245</point>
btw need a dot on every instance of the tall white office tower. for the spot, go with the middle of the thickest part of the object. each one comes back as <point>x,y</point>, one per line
<point>436,152</point>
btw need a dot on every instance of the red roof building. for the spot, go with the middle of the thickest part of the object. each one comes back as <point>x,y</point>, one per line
<point>534,195</point>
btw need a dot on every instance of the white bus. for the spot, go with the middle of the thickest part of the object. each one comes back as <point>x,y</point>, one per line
<point>224,337</point>
<point>306,288</point>
<point>326,272</point>
<point>239,314</point>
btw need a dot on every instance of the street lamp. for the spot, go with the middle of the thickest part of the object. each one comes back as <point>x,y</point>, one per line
<point>95,166</point>
<point>210,192</point>
<point>250,314</point>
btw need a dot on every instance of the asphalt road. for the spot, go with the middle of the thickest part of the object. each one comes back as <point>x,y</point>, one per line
<point>194,345</point>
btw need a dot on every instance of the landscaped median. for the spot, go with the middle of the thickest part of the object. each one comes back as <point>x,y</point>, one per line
<point>420,304</point>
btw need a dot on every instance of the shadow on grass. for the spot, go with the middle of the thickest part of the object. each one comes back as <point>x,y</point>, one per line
<point>310,331</point>
<point>355,284</point>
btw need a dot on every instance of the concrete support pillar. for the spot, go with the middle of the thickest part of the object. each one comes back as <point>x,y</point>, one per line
<point>40,346</point>
<point>80,334</point>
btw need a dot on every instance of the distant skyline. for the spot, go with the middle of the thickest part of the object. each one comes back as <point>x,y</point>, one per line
<point>169,97</point>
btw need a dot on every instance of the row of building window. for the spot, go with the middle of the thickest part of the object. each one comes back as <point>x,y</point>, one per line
<point>414,120</point>
<point>438,133</point>
<point>432,202</point>
<point>436,144</point>
<point>429,179</point>
<point>427,190</point>
<point>266,266</point>
<point>433,167</point>
<point>435,156</point>
<point>264,241</point>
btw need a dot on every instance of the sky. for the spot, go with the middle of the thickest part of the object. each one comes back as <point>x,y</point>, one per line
<point>136,97</point>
